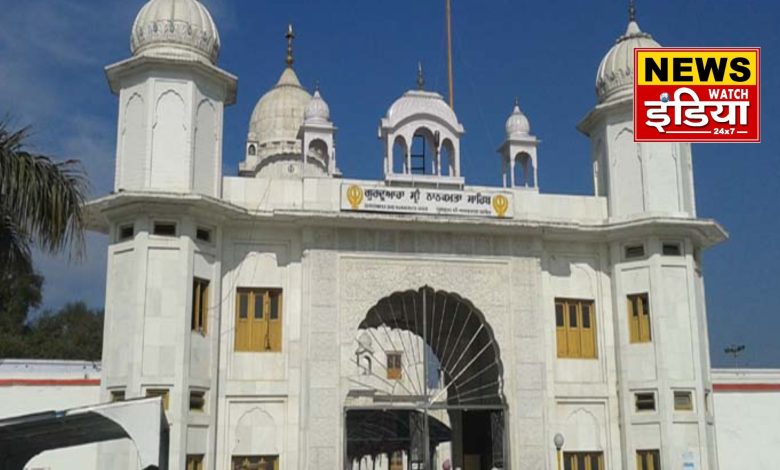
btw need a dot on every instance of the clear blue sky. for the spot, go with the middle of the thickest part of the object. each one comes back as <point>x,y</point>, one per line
<point>364,53</point>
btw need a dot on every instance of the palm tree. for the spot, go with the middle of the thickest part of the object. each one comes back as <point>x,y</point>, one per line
<point>41,203</point>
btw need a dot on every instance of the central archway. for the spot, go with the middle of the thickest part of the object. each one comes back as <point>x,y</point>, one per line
<point>427,359</point>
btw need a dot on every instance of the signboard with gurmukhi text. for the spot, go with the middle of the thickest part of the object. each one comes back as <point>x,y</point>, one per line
<point>377,198</point>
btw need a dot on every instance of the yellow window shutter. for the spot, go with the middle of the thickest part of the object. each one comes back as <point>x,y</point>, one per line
<point>265,341</point>
<point>573,330</point>
<point>258,321</point>
<point>205,308</point>
<point>560,329</point>
<point>588,330</point>
<point>633,320</point>
<point>275,321</point>
<point>645,318</point>
<point>243,312</point>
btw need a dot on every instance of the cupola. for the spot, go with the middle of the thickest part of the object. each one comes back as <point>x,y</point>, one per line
<point>518,152</point>
<point>421,135</point>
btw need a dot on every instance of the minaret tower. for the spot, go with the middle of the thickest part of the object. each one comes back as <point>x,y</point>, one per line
<point>636,178</point>
<point>171,102</point>
<point>518,152</point>
<point>162,306</point>
<point>658,309</point>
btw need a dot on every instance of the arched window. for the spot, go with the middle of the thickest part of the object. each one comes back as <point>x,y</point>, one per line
<point>399,156</point>
<point>423,152</point>
<point>318,154</point>
<point>447,158</point>
<point>524,170</point>
<point>252,150</point>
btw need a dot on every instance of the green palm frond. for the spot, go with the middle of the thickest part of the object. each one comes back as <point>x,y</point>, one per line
<point>41,201</point>
<point>14,246</point>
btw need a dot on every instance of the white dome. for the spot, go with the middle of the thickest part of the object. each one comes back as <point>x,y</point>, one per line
<point>615,78</point>
<point>317,111</point>
<point>278,116</point>
<point>418,102</point>
<point>517,125</point>
<point>175,28</point>
<point>365,341</point>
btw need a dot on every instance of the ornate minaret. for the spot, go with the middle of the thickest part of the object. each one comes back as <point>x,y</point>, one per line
<point>318,137</point>
<point>636,178</point>
<point>519,152</point>
<point>171,101</point>
<point>658,306</point>
<point>163,262</point>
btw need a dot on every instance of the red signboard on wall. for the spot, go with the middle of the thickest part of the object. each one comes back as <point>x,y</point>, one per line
<point>697,95</point>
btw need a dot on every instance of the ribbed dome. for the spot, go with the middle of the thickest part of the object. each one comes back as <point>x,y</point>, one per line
<point>317,111</point>
<point>615,78</point>
<point>416,102</point>
<point>278,116</point>
<point>517,125</point>
<point>174,29</point>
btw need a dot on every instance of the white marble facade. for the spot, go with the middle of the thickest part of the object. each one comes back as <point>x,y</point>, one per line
<point>283,224</point>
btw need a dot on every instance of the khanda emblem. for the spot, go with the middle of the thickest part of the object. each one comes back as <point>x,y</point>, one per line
<point>500,205</point>
<point>354,196</point>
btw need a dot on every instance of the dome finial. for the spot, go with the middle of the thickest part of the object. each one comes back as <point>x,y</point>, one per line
<point>517,102</point>
<point>631,10</point>
<point>290,37</point>
<point>420,76</point>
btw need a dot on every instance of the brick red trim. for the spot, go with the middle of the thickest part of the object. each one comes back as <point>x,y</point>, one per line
<point>757,387</point>
<point>48,382</point>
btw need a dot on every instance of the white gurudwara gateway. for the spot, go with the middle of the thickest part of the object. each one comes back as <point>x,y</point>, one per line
<point>293,318</point>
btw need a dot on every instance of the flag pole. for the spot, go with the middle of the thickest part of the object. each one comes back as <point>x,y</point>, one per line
<point>449,54</point>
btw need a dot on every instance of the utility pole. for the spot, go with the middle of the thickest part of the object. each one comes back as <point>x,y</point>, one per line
<point>449,55</point>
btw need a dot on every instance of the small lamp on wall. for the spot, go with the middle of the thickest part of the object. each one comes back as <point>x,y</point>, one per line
<point>558,441</point>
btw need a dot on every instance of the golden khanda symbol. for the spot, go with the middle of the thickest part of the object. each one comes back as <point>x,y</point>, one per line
<point>354,196</point>
<point>500,205</point>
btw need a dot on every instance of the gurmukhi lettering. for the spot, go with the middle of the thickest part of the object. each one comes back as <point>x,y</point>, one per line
<point>383,194</point>
<point>446,197</point>
<point>479,199</point>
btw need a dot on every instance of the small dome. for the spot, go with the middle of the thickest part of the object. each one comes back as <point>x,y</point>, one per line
<point>175,28</point>
<point>517,125</point>
<point>615,77</point>
<point>278,116</point>
<point>365,341</point>
<point>416,102</point>
<point>317,110</point>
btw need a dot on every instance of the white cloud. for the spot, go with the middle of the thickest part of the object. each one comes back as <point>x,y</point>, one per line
<point>51,78</point>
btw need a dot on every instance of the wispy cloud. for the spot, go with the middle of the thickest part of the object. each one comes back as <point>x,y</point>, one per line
<point>51,78</point>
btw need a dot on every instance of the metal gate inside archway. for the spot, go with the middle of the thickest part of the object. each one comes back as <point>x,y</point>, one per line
<point>426,392</point>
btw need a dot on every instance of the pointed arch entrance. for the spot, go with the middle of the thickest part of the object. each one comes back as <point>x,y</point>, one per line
<point>427,386</point>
